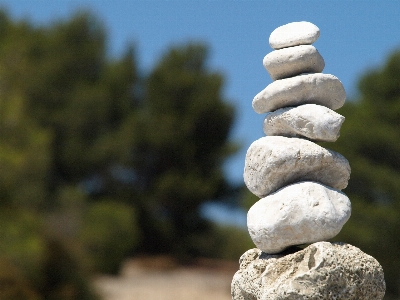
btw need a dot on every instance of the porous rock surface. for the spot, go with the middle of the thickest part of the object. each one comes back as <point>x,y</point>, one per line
<point>315,122</point>
<point>293,61</point>
<point>322,271</point>
<point>318,88</point>
<point>304,212</point>
<point>294,34</point>
<point>275,161</point>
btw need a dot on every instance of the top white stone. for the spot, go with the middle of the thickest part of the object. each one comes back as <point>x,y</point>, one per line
<point>294,34</point>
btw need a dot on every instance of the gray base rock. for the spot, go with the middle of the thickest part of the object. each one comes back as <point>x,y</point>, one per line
<point>288,62</point>
<point>315,122</point>
<point>319,88</point>
<point>322,271</point>
<point>273,162</point>
<point>300,213</point>
<point>294,34</point>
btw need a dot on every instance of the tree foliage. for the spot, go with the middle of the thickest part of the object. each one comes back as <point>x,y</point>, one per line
<point>181,136</point>
<point>370,140</point>
<point>97,161</point>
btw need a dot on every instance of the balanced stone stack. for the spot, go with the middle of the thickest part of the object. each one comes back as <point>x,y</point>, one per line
<point>300,183</point>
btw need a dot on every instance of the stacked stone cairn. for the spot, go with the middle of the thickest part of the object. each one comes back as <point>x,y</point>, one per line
<point>300,183</point>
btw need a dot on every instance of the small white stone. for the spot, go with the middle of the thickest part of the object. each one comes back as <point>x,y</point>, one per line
<point>318,88</point>
<point>294,34</point>
<point>273,162</point>
<point>292,61</point>
<point>312,121</point>
<point>301,213</point>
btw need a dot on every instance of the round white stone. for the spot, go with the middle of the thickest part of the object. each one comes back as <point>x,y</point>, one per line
<point>318,88</point>
<point>273,162</point>
<point>292,61</point>
<point>301,213</point>
<point>312,121</point>
<point>294,34</point>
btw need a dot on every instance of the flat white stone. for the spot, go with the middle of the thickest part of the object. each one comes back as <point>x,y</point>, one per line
<point>294,34</point>
<point>273,162</point>
<point>318,88</point>
<point>292,61</point>
<point>301,213</point>
<point>312,121</point>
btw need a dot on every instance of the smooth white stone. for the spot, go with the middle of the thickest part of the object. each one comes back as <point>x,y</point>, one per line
<point>273,162</point>
<point>301,213</point>
<point>288,62</point>
<point>312,121</point>
<point>294,34</point>
<point>318,88</point>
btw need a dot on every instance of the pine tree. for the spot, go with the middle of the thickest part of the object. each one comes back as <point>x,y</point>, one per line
<point>181,140</point>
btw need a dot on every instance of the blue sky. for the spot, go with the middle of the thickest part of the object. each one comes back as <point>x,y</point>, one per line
<point>355,36</point>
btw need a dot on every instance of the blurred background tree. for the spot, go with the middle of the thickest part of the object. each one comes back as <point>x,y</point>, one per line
<point>180,139</point>
<point>98,162</point>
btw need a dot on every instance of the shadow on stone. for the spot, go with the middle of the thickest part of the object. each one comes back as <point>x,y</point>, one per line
<point>285,252</point>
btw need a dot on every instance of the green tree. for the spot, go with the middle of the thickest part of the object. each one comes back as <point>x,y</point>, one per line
<point>370,140</point>
<point>180,139</point>
<point>84,139</point>
<point>61,100</point>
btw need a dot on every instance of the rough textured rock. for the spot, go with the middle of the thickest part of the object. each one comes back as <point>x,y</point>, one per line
<point>322,271</point>
<point>294,34</point>
<point>288,62</point>
<point>312,121</point>
<point>301,213</point>
<point>321,89</point>
<point>273,162</point>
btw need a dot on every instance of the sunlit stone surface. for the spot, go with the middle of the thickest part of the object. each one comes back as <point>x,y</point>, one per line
<point>288,62</point>
<point>294,34</point>
<point>300,213</point>
<point>318,88</point>
<point>311,121</point>
<point>275,161</point>
<point>322,271</point>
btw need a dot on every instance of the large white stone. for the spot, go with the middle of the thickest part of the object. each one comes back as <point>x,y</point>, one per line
<point>312,121</point>
<point>294,34</point>
<point>301,213</point>
<point>288,62</point>
<point>273,162</point>
<point>323,271</point>
<point>318,88</point>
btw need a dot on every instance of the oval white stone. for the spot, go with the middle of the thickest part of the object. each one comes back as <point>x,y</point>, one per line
<point>273,162</point>
<point>312,121</point>
<point>318,88</point>
<point>293,34</point>
<point>288,62</point>
<point>304,212</point>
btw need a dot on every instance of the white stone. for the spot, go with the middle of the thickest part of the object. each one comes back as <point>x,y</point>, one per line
<point>288,62</point>
<point>323,271</point>
<point>312,121</point>
<point>321,89</point>
<point>273,162</point>
<point>294,34</point>
<point>301,213</point>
